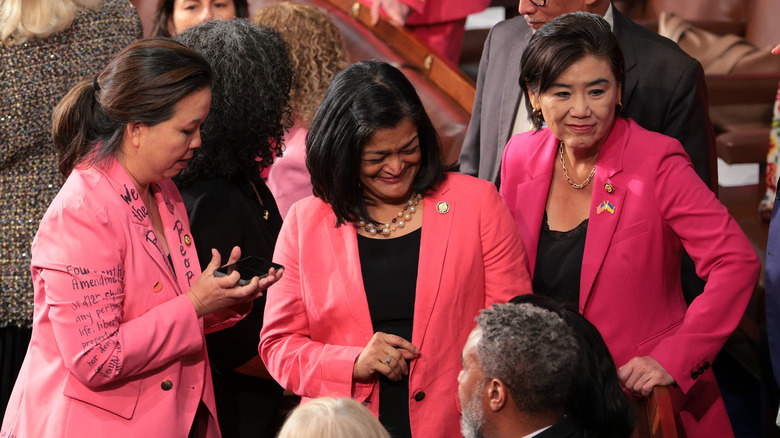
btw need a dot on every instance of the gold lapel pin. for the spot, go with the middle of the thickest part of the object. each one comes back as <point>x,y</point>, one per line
<point>157,286</point>
<point>442,207</point>
<point>608,187</point>
<point>187,240</point>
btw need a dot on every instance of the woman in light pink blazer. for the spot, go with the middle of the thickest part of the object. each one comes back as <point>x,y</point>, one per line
<point>117,343</point>
<point>390,262</point>
<point>605,209</point>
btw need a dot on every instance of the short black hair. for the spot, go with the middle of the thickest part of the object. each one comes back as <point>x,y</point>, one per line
<point>362,99</point>
<point>559,44</point>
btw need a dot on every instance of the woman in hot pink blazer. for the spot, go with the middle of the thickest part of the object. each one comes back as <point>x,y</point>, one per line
<point>320,336</point>
<point>117,343</point>
<point>642,204</point>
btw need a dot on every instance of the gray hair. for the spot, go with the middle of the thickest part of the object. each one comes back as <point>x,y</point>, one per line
<point>250,103</point>
<point>531,350</point>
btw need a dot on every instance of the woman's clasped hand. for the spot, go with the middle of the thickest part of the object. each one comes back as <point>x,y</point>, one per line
<point>386,354</point>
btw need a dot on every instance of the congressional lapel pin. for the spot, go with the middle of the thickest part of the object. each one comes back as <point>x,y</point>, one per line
<point>442,207</point>
<point>605,206</point>
<point>608,187</point>
<point>187,240</point>
<point>157,287</point>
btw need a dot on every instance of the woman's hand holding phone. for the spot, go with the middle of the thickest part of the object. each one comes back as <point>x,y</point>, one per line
<point>211,293</point>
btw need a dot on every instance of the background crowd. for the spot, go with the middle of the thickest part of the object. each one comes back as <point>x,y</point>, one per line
<point>134,168</point>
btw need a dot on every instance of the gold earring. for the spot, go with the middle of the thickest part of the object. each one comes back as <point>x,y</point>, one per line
<point>620,106</point>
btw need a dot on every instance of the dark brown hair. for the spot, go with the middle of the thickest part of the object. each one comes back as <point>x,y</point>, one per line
<point>165,14</point>
<point>143,83</point>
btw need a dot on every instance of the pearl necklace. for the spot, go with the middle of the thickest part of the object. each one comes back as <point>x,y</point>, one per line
<point>566,172</point>
<point>403,216</point>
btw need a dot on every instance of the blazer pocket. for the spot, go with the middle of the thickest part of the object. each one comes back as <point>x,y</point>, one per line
<point>120,400</point>
<point>647,345</point>
<point>629,232</point>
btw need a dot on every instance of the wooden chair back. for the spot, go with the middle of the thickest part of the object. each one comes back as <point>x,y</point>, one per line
<point>655,416</point>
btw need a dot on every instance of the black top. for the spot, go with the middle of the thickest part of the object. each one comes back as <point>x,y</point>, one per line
<point>559,263</point>
<point>566,428</point>
<point>224,214</point>
<point>389,268</point>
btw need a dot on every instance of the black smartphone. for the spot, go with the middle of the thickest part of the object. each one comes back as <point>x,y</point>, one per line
<point>248,268</point>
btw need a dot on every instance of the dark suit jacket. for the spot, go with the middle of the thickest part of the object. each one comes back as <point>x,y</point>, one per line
<point>664,91</point>
<point>773,288</point>
<point>566,428</point>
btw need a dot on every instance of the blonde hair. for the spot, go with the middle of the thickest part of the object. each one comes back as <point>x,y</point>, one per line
<point>327,417</point>
<point>22,20</point>
<point>316,49</point>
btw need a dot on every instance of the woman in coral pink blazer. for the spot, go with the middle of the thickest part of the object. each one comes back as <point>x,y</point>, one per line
<point>379,296</point>
<point>605,209</point>
<point>117,343</point>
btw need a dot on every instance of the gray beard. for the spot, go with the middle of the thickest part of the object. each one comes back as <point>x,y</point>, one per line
<point>472,417</point>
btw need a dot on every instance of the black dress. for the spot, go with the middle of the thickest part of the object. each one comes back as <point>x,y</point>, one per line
<point>559,263</point>
<point>224,214</point>
<point>389,268</point>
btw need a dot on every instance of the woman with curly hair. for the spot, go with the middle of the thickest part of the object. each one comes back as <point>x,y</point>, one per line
<point>229,205</point>
<point>317,55</point>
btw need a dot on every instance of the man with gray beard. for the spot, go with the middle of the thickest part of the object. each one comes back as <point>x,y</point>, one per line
<point>518,367</point>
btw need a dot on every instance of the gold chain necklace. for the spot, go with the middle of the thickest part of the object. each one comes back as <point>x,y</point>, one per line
<point>566,172</point>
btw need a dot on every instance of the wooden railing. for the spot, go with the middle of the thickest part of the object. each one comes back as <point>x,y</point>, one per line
<point>441,72</point>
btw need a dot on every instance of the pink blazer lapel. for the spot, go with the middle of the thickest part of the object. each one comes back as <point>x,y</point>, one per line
<point>605,207</point>
<point>345,255</point>
<point>139,216</point>
<point>438,213</point>
<point>532,190</point>
<point>177,234</point>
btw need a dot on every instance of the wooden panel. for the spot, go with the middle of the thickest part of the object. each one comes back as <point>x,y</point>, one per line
<point>742,88</point>
<point>441,72</point>
<point>654,415</point>
<point>661,414</point>
<point>743,146</point>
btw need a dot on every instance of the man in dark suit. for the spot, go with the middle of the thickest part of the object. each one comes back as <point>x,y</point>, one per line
<point>664,89</point>
<point>773,293</point>
<point>518,367</point>
<point>773,278</point>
